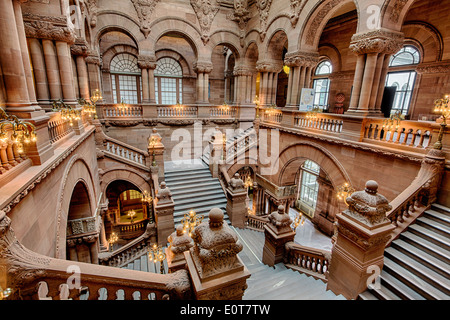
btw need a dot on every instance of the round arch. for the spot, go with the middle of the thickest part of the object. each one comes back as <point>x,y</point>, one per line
<point>187,68</point>
<point>393,13</point>
<point>120,23</point>
<point>228,39</point>
<point>111,52</point>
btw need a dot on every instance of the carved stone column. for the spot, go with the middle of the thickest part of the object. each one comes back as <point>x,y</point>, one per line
<point>148,65</point>
<point>80,51</point>
<point>94,63</point>
<point>277,232</point>
<point>203,69</point>
<point>65,71</point>
<point>362,233</point>
<point>269,70</point>
<point>179,243</point>
<point>92,243</point>
<point>72,244</point>
<point>373,49</point>
<point>216,271</point>
<point>243,85</point>
<point>164,206</point>
<point>39,70</point>
<point>236,202</point>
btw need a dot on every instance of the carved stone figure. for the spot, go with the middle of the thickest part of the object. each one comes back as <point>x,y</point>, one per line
<point>144,9</point>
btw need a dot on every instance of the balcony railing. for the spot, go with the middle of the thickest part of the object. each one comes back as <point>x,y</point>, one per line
<point>58,128</point>
<point>118,111</point>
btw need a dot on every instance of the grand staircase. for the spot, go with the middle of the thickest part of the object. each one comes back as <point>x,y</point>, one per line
<point>417,264</point>
<point>278,282</point>
<point>195,189</point>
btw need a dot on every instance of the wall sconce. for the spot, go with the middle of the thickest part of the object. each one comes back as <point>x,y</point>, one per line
<point>67,112</point>
<point>22,131</point>
<point>442,106</point>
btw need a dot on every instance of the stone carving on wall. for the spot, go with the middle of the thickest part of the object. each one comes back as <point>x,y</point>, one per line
<point>144,9</point>
<point>396,9</point>
<point>318,19</point>
<point>377,41</point>
<point>146,62</point>
<point>241,15</point>
<point>298,58</point>
<point>296,9</point>
<point>439,67</point>
<point>263,9</point>
<point>205,10</point>
<point>52,28</point>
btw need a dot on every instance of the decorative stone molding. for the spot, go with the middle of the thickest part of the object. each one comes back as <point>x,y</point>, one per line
<point>241,15</point>
<point>202,67</point>
<point>435,67</point>
<point>269,66</point>
<point>236,184</point>
<point>298,58</point>
<point>144,9</point>
<point>313,30</point>
<point>296,9</point>
<point>92,10</point>
<point>51,29</point>
<point>164,194</point>
<point>93,59</point>
<point>397,8</point>
<point>147,62</point>
<point>378,41</point>
<point>205,11</point>
<point>243,71</point>
<point>280,220</point>
<point>263,9</point>
<point>368,206</point>
<point>79,49</point>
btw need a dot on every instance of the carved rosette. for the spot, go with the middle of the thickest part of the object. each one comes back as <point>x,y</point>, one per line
<point>205,10</point>
<point>296,8</point>
<point>296,59</point>
<point>144,9</point>
<point>215,247</point>
<point>263,9</point>
<point>378,41</point>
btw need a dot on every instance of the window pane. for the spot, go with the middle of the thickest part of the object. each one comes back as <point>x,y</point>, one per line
<point>321,90</point>
<point>406,56</point>
<point>324,67</point>
<point>168,67</point>
<point>404,83</point>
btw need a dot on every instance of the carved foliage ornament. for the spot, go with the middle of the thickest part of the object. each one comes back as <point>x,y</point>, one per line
<point>396,9</point>
<point>378,41</point>
<point>205,10</point>
<point>241,15</point>
<point>296,9</point>
<point>263,8</point>
<point>42,29</point>
<point>144,9</point>
<point>318,19</point>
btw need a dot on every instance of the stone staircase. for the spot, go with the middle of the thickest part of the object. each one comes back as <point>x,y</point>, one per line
<point>195,189</point>
<point>417,264</point>
<point>143,263</point>
<point>278,282</point>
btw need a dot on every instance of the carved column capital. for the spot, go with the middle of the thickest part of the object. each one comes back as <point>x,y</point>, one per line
<point>51,28</point>
<point>146,62</point>
<point>203,67</point>
<point>269,66</point>
<point>378,41</point>
<point>299,58</point>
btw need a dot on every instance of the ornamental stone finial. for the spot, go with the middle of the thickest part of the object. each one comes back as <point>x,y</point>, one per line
<point>368,206</point>
<point>236,183</point>
<point>280,220</point>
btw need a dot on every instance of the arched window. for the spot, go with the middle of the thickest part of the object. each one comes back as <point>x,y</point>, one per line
<point>403,79</point>
<point>168,81</point>
<point>309,188</point>
<point>321,85</point>
<point>126,79</point>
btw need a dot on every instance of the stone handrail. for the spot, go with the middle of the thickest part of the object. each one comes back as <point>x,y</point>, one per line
<point>124,151</point>
<point>118,111</point>
<point>223,112</point>
<point>83,226</point>
<point>57,127</point>
<point>256,223</point>
<point>322,122</point>
<point>177,112</point>
<point>239,146</point>
<point>311,261</point>
<point>130,230</point>
<point>10,156</point>
<point>34,276</point>
<point>272,115</point>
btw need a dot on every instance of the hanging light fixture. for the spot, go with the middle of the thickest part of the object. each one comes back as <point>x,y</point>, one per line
<point>96,96</point>
<point>15,130</point>
<point>344,192</point>
<point>113,238</point>
<point>147,200</point>
<point>132,215</point>
<point>299,220</point>
<point>88,107</point>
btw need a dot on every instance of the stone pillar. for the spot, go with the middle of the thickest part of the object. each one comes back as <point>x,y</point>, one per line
<point>147,65</point>
<point>93,66</point>
<point>51,62</point>
<point>237,209</point>
<point>277,232</point>
<point>268,70</point>
<point>164,207</point>
<point>80,51</point>
<point>362,233</point>
<point>216,152</point>
<point>179,242</point>
<point>215,269</point>
<point>156,152</point>
<point>372,48</point>
<point>72,244</point>
<point>202,69</point>
<point>92,243</point>
<point>65,72</point>
<point>39,70</point>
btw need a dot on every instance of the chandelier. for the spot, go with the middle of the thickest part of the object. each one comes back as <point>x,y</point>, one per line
<point>156,254</point>
<point>67,111</point>
<point>442,106</point>
<point>88,107</point>
<point>131,215</point>
<point>23,132</point>
<point>113,238</point>
<point>344,192</point>
<point>190,221</point>
<point>298,221</point>
<point>393,122</point>
<point>96,96</point>
<point>147,200</point>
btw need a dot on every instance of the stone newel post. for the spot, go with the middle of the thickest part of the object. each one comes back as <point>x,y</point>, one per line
<point>277,232</point>
<point>164,206</point>
<point>362,233</point>
<point>179,243</point>
<point>156,152</point>
<point>236,202</point>
<point>216,271</point>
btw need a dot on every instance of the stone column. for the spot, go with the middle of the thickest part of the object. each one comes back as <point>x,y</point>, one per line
<point>217,152</point>
<point>243,76</point>
<point>371,48</point>
<point>237,209</point>
<point>268,70</point>
<point>147,65</point>
<point>179,242</point>
<point>145,91</point>
<point>362,233</point>
<point>39,70</point>
<point>277,232</point>
<point>80,51</point>
<point>156,152</point>
<point>65,72</point>
<point>93,66</point>
<point>164,207</point>
<point>202,69</point>
<point>216,271</point>
<point>93,247</point>
<point>51,62</point>
<point>72,244</point>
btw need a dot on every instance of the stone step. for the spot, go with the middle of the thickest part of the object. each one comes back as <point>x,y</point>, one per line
<point>191,178</point>
<point>182,189</point>
<point>200,206</point>
<point>430,235</point>
<point>191,183</point>
<point>434,226</point>
<point>413,281</point>
<point>197,198</point>
<point>438,216</point>
<point>399,288</point>
<point>176,173</point>
<point>427,246</point>
<point>440,208</point>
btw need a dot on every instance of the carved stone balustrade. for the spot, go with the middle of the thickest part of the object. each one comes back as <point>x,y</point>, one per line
<point>236,202</point>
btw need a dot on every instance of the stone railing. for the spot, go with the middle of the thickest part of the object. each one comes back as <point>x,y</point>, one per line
<point>126,152</point>
<point>118,111</point>
<point>34,276</point>
<point>256,223</point>
<point>177,112</point>
<point>57,127</point>
<point>10,156</point>
<point>414,134</point>
<point>271,115</point>
<point>130,230</point>
<point>329,124</point>
<point>236,147</point>
<point>83,226</point>
<point>311,261</point>
<point>223,112</point>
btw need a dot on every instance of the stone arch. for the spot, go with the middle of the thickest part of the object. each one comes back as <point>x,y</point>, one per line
<point>77,170</point>
<point>293,156</point>
<point>111,52</point>
<point>187,68</point>
<point>228,39</point>
<point>393,13</point>
<point>425,36</point>
<point>165,26</point>
<point>275,44</point>
<point>330,52</point>
<point>316,15</point>
<point>115,21</point>
<point>280,23</point>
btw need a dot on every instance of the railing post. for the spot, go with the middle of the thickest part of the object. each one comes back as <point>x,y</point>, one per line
<point>179,243</point>
<point>236,204</point>
<point>164,206</point>
<point>277,233</point>
<point>216,271</point>
<point>362,233</point>
<point>156,152</point>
